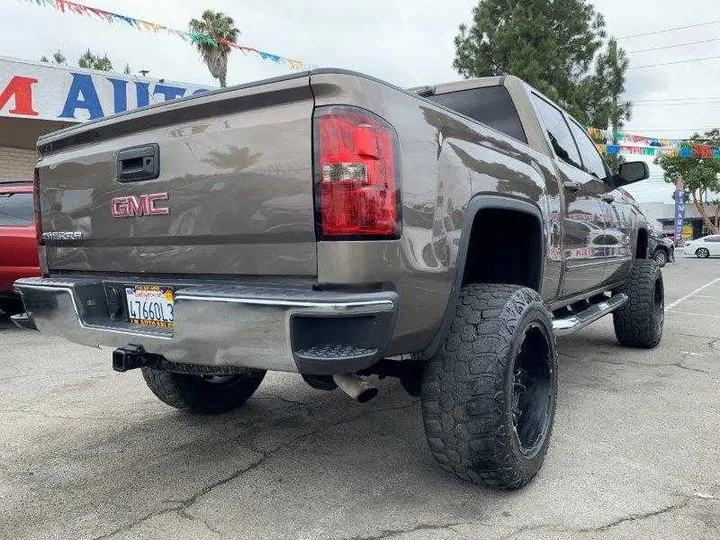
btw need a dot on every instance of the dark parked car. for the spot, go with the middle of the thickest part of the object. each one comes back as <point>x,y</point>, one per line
<point>18,241</point>
<point>662,248</point>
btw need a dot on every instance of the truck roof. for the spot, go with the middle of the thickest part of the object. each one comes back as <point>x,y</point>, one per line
<point>457,86</point>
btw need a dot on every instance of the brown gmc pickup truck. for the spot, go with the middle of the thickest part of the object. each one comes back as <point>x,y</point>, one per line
<point>333,225</point>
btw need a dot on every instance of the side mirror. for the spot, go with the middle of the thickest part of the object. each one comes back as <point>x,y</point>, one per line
<point>631,172</point>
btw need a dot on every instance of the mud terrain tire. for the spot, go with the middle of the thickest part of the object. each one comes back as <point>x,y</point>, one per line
<point>639,322</point>
<point>202,394</point>
<point>489,393</point>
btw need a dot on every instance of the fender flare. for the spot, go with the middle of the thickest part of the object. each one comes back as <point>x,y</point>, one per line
<point>642,229</point>
<point>477,204</point>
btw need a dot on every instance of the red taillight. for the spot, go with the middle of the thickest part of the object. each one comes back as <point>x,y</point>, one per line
<point>357,184</point>
<point>36,205</point>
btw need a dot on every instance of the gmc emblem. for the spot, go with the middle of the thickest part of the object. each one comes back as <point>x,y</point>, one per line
<point>144,205</point>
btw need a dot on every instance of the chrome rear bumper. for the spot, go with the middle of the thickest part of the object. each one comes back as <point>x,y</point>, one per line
<point>271,328</point>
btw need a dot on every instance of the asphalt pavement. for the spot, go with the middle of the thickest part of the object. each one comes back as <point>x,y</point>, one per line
<point>87,453</point>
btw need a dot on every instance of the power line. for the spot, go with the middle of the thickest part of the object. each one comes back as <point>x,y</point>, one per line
<point>655,32</point>
<point>679,104</point>
<point>658,182</point>
<point>689,60</point>
<point>673,129</point>
<point>654,184</point>
<point>668,188</point>
<point>672,100</point>
<point>674,46</point>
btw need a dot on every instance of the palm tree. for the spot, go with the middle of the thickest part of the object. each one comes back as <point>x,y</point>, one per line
<point>219,28</point>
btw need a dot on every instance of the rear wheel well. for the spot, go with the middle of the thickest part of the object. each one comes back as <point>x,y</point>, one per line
<point>505,246</point>
<point>641,247</point>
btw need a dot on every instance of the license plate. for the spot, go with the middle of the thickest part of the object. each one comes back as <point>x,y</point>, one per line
<point>150,305</point>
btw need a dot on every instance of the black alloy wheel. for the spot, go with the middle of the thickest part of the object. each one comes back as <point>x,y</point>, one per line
<point>531,396</point>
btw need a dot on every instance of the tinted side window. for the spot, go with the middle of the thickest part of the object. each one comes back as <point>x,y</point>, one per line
<point>713,239</point>
<point>558,131</point>
<point>491,105</point>
<point>592,161</point>
<point>16,209</point>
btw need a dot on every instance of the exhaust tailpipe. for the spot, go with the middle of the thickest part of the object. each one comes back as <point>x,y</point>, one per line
<point>358,388</point>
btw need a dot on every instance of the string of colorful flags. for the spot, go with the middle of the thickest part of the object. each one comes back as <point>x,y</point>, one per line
<point>651,146</point>
<point>66,6</point>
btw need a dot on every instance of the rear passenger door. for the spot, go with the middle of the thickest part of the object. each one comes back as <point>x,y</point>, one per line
<point>615,242</point>
<point>583,221</point>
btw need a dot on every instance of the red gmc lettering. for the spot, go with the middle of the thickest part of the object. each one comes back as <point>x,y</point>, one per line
<point>144,205</point>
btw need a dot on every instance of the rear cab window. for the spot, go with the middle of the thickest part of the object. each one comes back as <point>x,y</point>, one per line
<point>491,105</point>
<point>558,132</point>
<point>16,209</point>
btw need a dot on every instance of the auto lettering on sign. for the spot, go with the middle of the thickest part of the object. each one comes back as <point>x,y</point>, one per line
<point>51,92</point>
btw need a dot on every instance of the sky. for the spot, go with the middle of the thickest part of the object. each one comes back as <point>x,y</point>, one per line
<point>405,42</point>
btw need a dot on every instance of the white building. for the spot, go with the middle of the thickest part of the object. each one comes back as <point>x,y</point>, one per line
<point>662,217</point>
<point>38,97</point>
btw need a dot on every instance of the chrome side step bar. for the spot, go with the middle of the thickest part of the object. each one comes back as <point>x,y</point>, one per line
<point>568,325</point>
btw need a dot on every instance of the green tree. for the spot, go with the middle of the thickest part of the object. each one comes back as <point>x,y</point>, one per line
<point>89,60</point>
<point>218,27</point>
<point>700,176</point>
<point>604,104</point>
<point>57,57</point>
<point>550,44</point>
<point>609,109</point>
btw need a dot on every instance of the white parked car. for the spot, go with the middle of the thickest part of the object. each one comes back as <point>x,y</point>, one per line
<point>707,246</point>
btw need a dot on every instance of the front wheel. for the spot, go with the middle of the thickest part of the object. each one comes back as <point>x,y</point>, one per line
<point>639,322</point>
<point>204,394</point>
<point>660,257</point>
<point>703,253</point>
<point>488,395</point>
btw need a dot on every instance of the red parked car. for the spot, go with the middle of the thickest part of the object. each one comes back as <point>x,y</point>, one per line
<point>18,241</point>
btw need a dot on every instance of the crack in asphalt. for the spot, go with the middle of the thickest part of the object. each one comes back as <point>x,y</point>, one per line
<point>639,517</point>
<point>52,416</point>
<point>182,506</point>
<point>388,533</point>
<point>304,406</point>
<point>644,364</point>
<point>287,400</point>
<point>183,512</point>
<point>138,521</point>
<point>685,335</point>
<point>687,500</point>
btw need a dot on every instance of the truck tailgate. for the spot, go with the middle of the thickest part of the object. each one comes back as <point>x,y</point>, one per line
<point>233,193</point>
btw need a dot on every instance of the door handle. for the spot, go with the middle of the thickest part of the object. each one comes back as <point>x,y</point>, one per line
<point>607,197</point>
<point>571,186</point>
<point>138,163</point>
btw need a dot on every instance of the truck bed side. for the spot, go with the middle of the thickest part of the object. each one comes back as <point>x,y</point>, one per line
<point>446,161</point>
